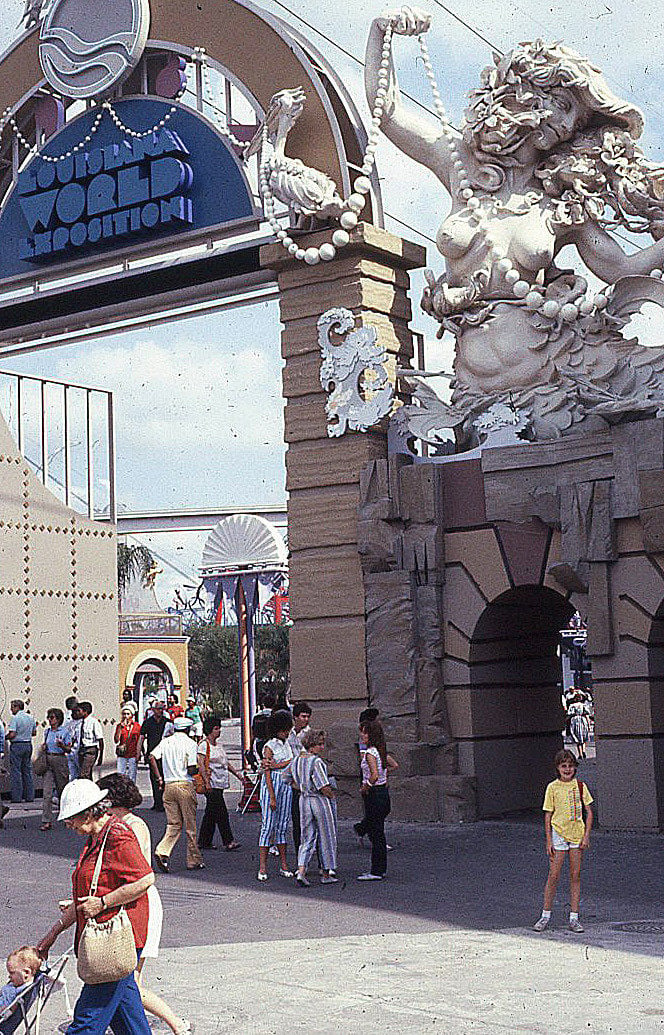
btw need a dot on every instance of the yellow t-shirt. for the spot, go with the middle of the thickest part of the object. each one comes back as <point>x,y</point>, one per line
<point>562,798</point>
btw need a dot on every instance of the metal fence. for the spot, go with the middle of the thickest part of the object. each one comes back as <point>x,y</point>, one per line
<point>66,434</point>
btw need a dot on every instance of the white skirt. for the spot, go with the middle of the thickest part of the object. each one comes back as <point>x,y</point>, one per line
<point>155,921</point>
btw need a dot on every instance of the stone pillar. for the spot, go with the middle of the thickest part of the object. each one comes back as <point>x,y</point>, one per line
<point>369,277</point>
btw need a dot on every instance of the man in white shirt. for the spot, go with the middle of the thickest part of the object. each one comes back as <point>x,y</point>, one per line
<point>177,755</point>
<point>91,741</point>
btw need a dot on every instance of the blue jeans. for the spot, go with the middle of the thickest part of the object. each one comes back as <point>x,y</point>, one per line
<point>20,771</point>
<point>115,1004</point>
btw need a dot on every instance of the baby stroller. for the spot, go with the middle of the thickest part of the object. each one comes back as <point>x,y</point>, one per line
<point>24,1014</point>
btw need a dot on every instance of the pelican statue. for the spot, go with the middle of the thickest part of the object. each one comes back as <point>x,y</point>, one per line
<point>310,195</point>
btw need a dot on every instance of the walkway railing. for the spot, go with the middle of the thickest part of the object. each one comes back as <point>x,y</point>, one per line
<point>66,434</point>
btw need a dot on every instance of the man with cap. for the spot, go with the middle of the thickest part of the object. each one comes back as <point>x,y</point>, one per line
<point>193,712</point>
<point>177,755</point>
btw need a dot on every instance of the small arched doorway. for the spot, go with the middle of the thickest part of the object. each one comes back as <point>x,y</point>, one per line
<point>656,680</point>
<point>517,715</point>
<point>153,678</point>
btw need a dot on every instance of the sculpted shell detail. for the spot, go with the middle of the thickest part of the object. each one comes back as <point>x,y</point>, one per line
<point>87,49</point>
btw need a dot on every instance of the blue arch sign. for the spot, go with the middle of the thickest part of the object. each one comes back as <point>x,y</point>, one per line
<point>120,190</point>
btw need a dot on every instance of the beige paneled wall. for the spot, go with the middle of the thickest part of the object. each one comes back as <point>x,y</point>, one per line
<point>58,597</point>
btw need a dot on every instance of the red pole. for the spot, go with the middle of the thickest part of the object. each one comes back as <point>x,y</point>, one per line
<point>245,707</point>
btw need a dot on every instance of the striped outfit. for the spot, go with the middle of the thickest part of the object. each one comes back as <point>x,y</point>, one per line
<point>317,813</point>
<point>275,821</point>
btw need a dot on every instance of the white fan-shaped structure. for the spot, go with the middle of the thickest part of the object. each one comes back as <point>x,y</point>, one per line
<point>244,541</point>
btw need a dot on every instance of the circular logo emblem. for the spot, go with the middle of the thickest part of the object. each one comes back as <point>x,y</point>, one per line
<point>86,48</point>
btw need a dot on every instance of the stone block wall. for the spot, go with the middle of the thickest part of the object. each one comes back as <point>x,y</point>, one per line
<point>471,567</point>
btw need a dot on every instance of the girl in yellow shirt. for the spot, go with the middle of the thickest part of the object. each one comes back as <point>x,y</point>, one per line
<point>566,831</point>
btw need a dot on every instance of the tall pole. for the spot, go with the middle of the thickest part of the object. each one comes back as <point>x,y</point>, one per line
<point>244,670</point>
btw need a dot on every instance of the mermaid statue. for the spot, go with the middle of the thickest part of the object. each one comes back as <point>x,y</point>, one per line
<point>545,157</point>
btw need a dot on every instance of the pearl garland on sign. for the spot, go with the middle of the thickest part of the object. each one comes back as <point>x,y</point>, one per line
<point>361,185</point>
<point>7,118</point>
<point>200,55</point>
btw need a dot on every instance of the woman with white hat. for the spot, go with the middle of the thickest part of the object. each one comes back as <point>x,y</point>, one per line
<point>111,874</point>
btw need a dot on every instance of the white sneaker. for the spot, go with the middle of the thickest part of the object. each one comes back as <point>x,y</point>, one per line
<point>273,850</point>
<point>576,926</point>
<point>541,924</point>
<point>370,876</point>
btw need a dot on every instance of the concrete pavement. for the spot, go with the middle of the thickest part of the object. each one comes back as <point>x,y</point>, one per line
<point>443,945</point>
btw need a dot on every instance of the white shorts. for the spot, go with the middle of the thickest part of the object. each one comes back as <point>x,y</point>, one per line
<point>560,844</point>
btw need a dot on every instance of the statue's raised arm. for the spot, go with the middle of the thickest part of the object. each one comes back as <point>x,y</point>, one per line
<point>423,139</point>
<point>547,157</point>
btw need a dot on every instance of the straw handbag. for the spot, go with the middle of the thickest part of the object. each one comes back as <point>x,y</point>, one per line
<point>106,949</point>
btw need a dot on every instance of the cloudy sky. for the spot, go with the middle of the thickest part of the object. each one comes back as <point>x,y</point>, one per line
<point>198,404</point>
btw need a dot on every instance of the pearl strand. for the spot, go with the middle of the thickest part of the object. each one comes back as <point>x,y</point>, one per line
<point>200,54</point>
<point>531,294</point>
<point>361,185</point>
<point>8,118</point>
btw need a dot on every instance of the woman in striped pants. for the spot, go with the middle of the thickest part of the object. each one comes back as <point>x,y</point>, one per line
<point>317,814</point>
<point>275,794</point>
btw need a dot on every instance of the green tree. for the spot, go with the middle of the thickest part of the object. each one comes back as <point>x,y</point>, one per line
<point>213,661</point>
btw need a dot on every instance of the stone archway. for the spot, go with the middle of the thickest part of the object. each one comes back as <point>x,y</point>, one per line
<point>155,657</point>
<point>515,709</point>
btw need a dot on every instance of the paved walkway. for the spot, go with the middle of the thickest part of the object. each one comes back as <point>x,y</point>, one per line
<point>443,945</point>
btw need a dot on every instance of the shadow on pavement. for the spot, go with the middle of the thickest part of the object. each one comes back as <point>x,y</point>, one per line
<point>484,876</point>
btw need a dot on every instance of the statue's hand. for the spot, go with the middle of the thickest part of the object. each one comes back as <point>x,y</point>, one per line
<point>408,21</point>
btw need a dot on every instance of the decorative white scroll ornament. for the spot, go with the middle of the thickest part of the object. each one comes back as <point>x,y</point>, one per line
<point>354,373</point>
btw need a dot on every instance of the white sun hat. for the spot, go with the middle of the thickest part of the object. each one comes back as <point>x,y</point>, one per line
<point>79,795</point>
<point>182,723</point>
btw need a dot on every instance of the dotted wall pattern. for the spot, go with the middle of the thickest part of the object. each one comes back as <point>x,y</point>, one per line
<point>58,597</point>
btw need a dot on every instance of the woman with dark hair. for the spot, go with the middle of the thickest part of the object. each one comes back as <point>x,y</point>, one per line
<point>375,765</point>
<point>275,794</point>
<point>214,767</point>
<point>123,796</point>
<point>57,745</point>
<point>122,883</point>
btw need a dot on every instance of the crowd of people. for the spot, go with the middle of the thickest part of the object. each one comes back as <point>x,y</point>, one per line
<point>114,879</point>
<point>73,745</point>
<point>185,756</point>
<point>113,884</point>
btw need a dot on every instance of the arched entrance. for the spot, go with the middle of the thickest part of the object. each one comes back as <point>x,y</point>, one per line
<point>516,712</point>
<point>221,261</point>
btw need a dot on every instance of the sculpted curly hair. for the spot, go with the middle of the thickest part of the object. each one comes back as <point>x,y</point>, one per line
<point>601,174</point>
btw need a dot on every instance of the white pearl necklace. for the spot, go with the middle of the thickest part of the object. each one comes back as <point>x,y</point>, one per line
<point>361,185</point>
<point>7,118</point>
<point>532,294</point>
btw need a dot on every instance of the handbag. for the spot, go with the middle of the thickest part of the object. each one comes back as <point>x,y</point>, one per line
<point>200,781</point>
<point>106,949</point>
<point>40,762</point>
